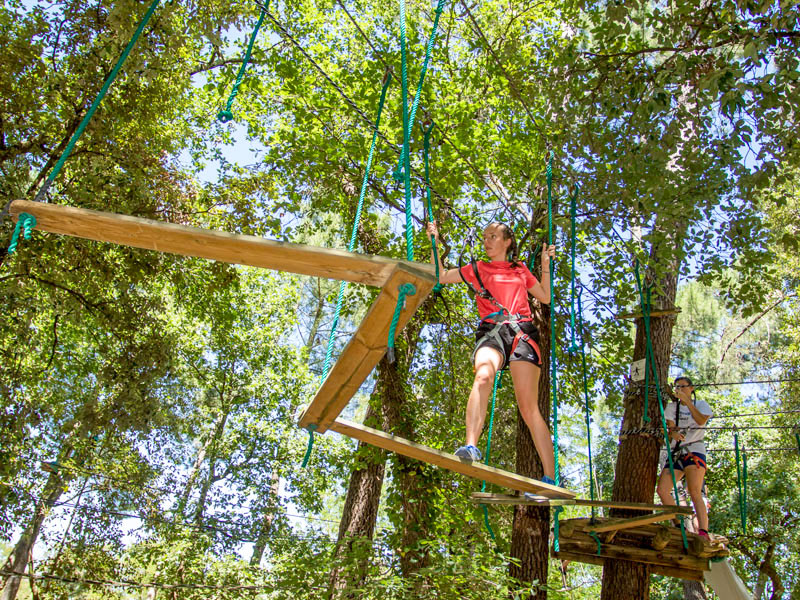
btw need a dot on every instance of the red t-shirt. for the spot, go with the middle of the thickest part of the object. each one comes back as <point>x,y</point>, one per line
<point>509,286</point>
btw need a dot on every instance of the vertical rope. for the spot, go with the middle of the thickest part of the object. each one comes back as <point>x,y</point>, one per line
<point>739,485</point>
<point>426,145</point>
<point>553,365</point>
<point>498,377</point>
<point>797,439</point>
<point>573,202</point>
<point>109,80</point>
<point>311,428</point>
<point>428,49</point>
<point>352,244</point>
<point>407,289</point>
<point>406,134</point>
<point>586,406</point>
<point>226,115</point>
<point>649,351</point>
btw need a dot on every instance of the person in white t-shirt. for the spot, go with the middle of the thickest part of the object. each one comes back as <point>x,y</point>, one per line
<point>686,420</point>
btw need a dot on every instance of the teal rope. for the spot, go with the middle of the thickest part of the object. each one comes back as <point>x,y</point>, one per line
<point>649,351</point>
<point>553,364</point>
<point>426,151</point>
<point>573,202</point>
<point>586,406</point>
<point>596,539</point>
<point>406,135</point>
<point>797,439</point>
<point>498,377</point>
<point>311,428</point>
<point>364,182</point>
<point>109,80</point>
<point>407,289</point>
<point>398,174</point>
<point>649,363</point>
<point>742,487</point>
<point>25,223</point>
<point>226,115</point>
<point>556,525</point>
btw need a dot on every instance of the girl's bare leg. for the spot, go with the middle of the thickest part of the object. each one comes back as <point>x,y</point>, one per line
<point>487,362</point>
<point>526,389</point>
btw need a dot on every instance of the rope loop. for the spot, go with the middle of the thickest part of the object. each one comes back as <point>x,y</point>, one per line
<point>407,289</point>
<point>25,223</point>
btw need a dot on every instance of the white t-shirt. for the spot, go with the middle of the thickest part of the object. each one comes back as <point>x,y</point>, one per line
<point>692,432</point>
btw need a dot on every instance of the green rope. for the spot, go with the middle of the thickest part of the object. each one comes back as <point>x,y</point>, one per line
<point>596,539</point>
<point>311,428</point>
<point>226,115</point>
<point>498,377</point>
<point>407,289</point>
<point>573,202</point>
<point>109,80</point>
<point>556,525</point>
<point>649,351</point>
<point>586,406</point>
<point>364,182</point>
<point>406,136</point>
<point>425,154</point>
<point>648,364</point>
<point>797,439</point>
<point>398,172</point>
<point>25,223</point>
<point>553,372</point>
<point>741,483</point>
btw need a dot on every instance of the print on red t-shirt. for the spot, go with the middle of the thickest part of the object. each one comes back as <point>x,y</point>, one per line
<point>509,286</point>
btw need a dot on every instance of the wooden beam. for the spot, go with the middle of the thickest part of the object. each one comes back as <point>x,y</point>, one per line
<point>447,460</point>
<point>617,524</point>
<point>490,498</point>
<point>653,313</point>
<point>669,557</point>
<point>593,559</point>
<point>211,244</point>
<point>366,347</point>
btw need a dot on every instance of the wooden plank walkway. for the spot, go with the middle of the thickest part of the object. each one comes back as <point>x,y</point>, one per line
<point>447,460</point>
<point>366,347</point>
<point>226,247</point>
<point>490,498</point>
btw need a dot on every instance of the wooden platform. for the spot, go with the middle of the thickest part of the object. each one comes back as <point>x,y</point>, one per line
<point>659,546</point>
<point>489,498</point>
<point>214,245</point>
<point>447,460</point>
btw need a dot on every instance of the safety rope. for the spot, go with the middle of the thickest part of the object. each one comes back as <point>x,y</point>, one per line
<point>596,539</point>
<point>586,406</point>
<point>311,428</point>
<point>797,439</point>
<point>352,244</point>
<point>649,351</point>
<point>648,364</point>
<point>25,223</point>
<point>573,202</point>
<point>741,481</point>
<point>407,289</point>
<point>398,172</point>
<point>226,115</point>
<point>103,90</point>
<point>406,136</point>
<point>426,147</point>
<point>498,377</point>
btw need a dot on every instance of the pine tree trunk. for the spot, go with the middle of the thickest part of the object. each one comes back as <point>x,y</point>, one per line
<point>530,534</point>
<point>693,590</point>
<point>18,561</point>
<point>636,467</point>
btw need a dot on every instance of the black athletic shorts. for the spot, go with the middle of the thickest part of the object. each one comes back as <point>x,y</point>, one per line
<point>527,350</point>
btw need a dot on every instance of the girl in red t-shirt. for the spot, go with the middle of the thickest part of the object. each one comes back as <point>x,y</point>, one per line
<point>505,337</point>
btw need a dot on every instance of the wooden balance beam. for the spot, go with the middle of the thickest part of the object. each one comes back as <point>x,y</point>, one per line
<point>217,245</point>
<point>593,559</point>
<point>489,498</point>
<point>447,460</point>
<point>366,347</point>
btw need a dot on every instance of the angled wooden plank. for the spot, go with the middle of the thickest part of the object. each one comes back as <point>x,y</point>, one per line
<point>593,559</point>
<point>673,556</point>
<point>490,498</point>
<point>366,347</point>
<point>447,460</point>
<point>211,244</point>
<point>617,524</point>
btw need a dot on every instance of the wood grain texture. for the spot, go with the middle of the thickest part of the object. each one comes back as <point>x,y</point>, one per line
<point>490,498</point>
<point>366,347</point>
<point>617,524</point>
<point>593,559</point>
<point>447,460</point>
<point>211,244</point>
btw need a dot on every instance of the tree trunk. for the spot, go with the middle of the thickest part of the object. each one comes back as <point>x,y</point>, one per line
<point>530,533</point>
<point>265,527</point>
<point>18,561</point>
<point>636,467</point>
<point>693,590</point>
<point>360,511</point>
